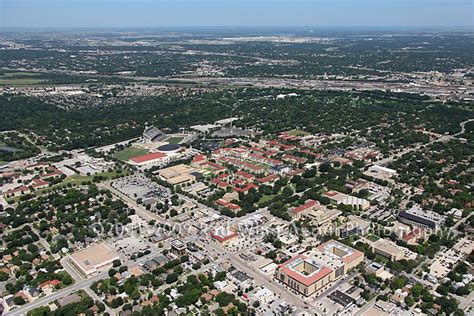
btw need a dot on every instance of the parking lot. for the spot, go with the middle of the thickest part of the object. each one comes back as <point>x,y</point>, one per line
<point>138,186</point>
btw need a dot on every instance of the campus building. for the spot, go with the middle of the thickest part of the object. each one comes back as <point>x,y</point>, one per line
<point>421,218</point>
<point>316,270</point>
<point>315,212</point>
<point>178,174</point>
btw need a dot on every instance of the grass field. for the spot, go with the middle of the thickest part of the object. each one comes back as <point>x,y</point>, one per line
<point>266,198</point>
<point>130,152</point>
<point>297,132</point>
<point>372,238</point>
<point>73,180</point>
<point>19,78</point>
<point>174,140</point>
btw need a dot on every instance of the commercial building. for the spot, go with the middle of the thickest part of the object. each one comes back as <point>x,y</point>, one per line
<point>349,256</point>
<point>314,271</point>
<point>224,235</point>
<point>417,217</point>
<point>178,247</point>
<point>94,259</point>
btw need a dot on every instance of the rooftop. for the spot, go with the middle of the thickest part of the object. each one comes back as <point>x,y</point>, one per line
<point>147,157</point>
<point>93,256</point>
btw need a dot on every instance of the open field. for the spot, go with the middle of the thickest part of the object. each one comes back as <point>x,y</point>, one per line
<point>73,180</point>
<point>130,152</point>
<point>297,132</point>
<point>19,78</point>
<point>175,140</point>
<point>266,198</point>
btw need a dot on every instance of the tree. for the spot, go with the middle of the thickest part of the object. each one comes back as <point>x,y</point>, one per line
<point>171,278</point>
<point>18,300</point>
<point>224,299</point>
<point>409,301</point>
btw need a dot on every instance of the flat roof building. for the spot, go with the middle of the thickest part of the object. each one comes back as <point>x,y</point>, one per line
<point>315,212</point>
<point>346,199</point>
<point>94,259</point>
<point>178,247</point>
<point>391,250</point>
<point>148,159</point>
<point>315,270</point>
<point>354,226</point>
<point>418,217</point>
<point>223,234</point>
<point>177,174</point>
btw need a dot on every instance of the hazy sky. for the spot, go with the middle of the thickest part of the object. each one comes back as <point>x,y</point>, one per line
<point>136,13</point>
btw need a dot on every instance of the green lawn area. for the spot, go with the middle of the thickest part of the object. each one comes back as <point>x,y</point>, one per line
<point>297,132</point>
<point>372,238</point>
<point>19,78</point>
<point>266,198</point>
<point>2,163</point>
<point>130,152</point>
<point>175,140</point>
<point>74,180</point>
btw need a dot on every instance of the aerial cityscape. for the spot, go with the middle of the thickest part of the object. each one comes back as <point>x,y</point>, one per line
<point>236,168</point>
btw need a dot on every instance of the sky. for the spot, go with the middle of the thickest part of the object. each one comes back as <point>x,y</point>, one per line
<point>249,13</point>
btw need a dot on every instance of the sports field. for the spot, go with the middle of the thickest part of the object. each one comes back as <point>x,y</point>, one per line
<point>130,152</point>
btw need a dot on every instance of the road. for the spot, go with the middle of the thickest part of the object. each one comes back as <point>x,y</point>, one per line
<point>75,274</point>
<point>259,278</point>
<point>370,303</point>
<point>81,285</point>
<point>139,209</point>
<point>443,138</point>
<point>463,127</point>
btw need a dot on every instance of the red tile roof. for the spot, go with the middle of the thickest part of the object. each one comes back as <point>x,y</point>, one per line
<point>39,183</point>
<point>308,204</point>
<point>306,280</point>
<point>22,188</point>
<point>268,178</point>
<point>245,174</point>
<point>231,234</point>
<point>147,157</point>
<point>222,202</point>
<point>199,158</point>
<point>246,188</point>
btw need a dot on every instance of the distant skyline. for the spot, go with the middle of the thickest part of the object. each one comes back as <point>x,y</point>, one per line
<point>251,13</point>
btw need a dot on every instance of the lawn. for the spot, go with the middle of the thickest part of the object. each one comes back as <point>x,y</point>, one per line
<point>19,78</point>
<point>130,152</point>
<point>74,180</point>
<point>175,140</point>
<point>372,238</point>
<point>297,132</point>
<point>266,198</point>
